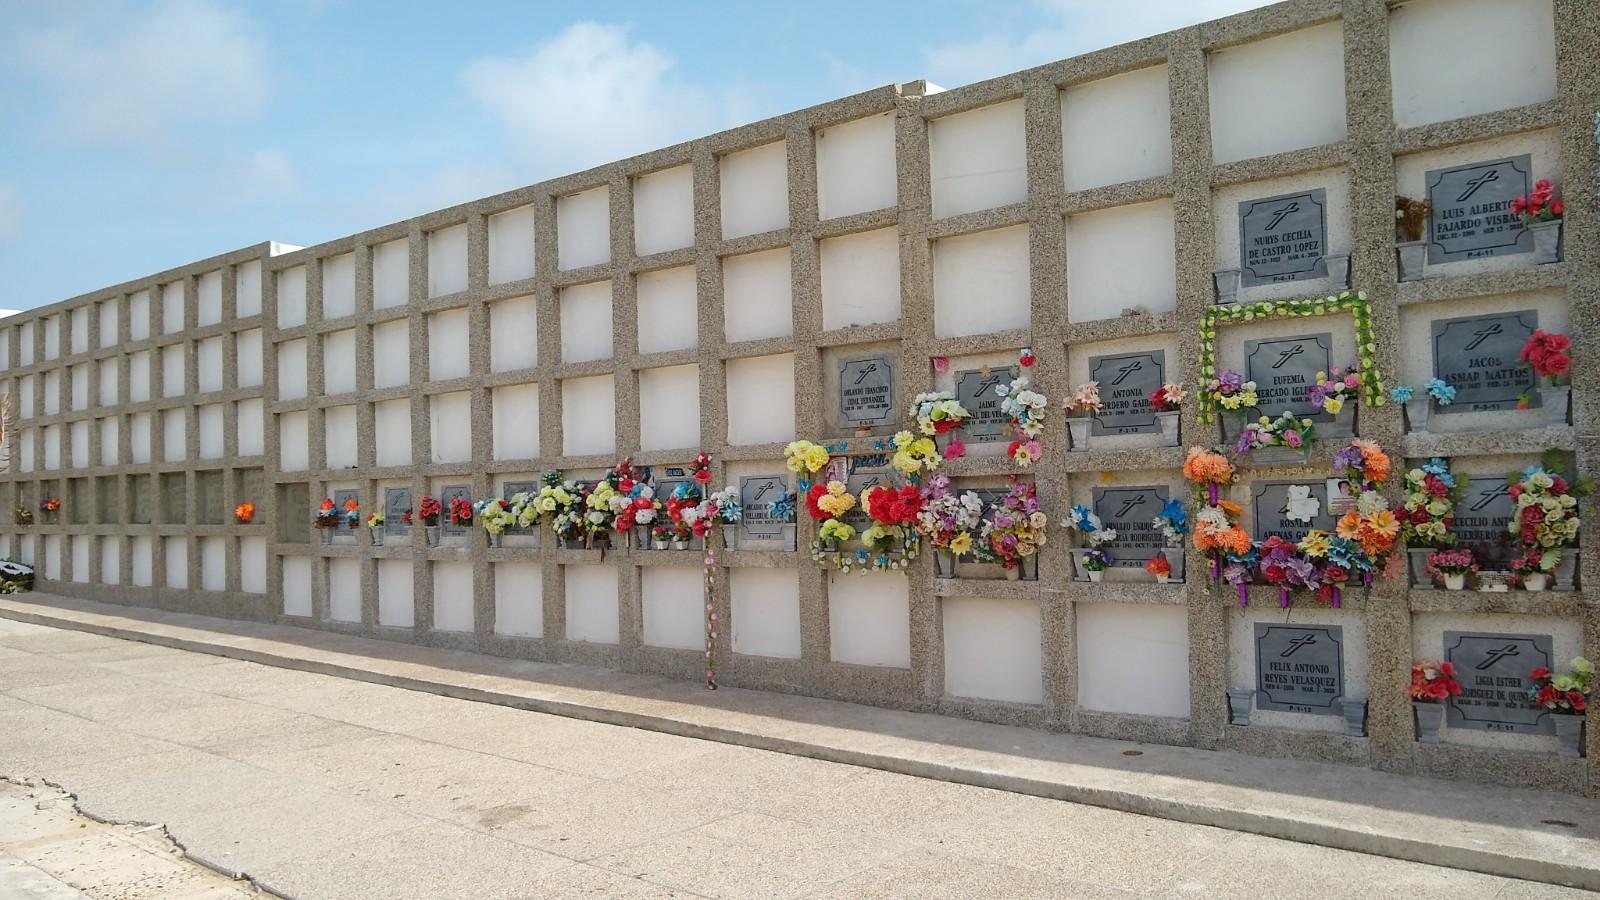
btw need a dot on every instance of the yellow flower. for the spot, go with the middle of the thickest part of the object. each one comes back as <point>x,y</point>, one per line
<point>961,543</point>
<point>1332,405</point>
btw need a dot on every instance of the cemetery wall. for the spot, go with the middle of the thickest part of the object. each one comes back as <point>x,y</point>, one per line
<point>709,295</point>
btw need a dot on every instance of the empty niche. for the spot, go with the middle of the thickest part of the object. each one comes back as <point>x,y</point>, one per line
<point>668,316</point>
<point>981,282</point>
<point>452,596</point>
<point>856,167</point>
<point>171,311</point>
<point>757,296</point>
<point>586,322</point>
<point>583,228</point>
<point>592,603</point>
<point>673,601</point>
<point>447,345</point>
<point>513,334</point>
<point>110,560</point>
<point>761,399</point>
<point>391,274</point>
<point>1114,639</point>
<point>1305,65</point>
<point>109,430</point>
<point>139,438</point>
<point>516,421</point>
<point>142,557</point>
<point>663,210</point>
<point>339,362</point>
<point>177,560</point>
<point>109,336</point>
<point>80,386</point>
<point>211,439</point>
<point>293,439</point>
<point>588,415</point>
<point>992,649</point>
<point>209,500</point>
<point>246,290</point>
<point>52,392</point>
<point>978,159</point>
<point>5,349</point>
<point>447,260</point>
<point>391,421</point>
<point>450,426</point>
<point>755,190</point>
<point>869,619</point>
<point>292,297</point>
<point>861,278</point>
<point>297,586</point>
<point>80,329</point>
<point>396,608</point>
<point>344,590</point>
<point>208,364</point>
<point>1430,86</point>
<point>1325,198</point>
<point>1119,258</point>
<point>339,432</point>
<point>391,354</point>
<point>250,420</point>
<point>253,565</point>
<point>172,363</point>
<point>669,408</point>
<point>294,526</point>
<point>174,435</point>
<point>519,599</point>
<point>292,370</point>
<point>766,612</point>
<point>511,236</point>
<point>339,286</point>
<point>248,359</point>
<point>138,323</point>
<point>209,311</point>
<point>1116,129</point>
<point>213,564</point>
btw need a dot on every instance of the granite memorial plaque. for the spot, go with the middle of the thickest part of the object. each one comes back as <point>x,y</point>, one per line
<point>1289,509</point>
<point>1493,670</point>
<point>975,392</point>
<point>1131,512</point>
<point>1481,357</point>
<point>756,493</point>
<point>1283,238</point>
<point>396,503</point>
<point>446,494</point>
<point>862,477</point>
<point>1299,668</point>
<point>510,489</point>
<point>866,392</point>
<point>1481,519</point>
<point>339,499</point>
<point>1126,382</point>
<point>1284,369</point>
<point>1471,214</point>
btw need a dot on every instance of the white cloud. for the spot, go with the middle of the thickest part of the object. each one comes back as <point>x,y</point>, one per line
<point>141,77</point>
<point>11,210</point>
<point>1068,28</point>
<point>588,96</point>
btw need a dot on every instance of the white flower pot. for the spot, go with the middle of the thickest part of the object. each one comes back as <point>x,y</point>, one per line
<point>1413,256</point>
<point>1014,573</point>
<point>1535,582</point>
<point>1417,412</point>
<point>680,545</point>
<point>1227,282</point>
<point>1546,241</point>
<point>1557,399</point>
<point>1169,428</point>
<point>659,545</point>
<point>1078,431</point>
<point>1097,575</point>
<point>494,538</point>
<point>1163,579</point>
<point>1455,582</point>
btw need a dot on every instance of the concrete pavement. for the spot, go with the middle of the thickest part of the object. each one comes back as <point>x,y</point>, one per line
<point>321,787</point>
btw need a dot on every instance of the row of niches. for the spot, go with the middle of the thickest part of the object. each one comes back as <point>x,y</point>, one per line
<point>71,558</point>
<point>154,374</point>
<point>159,436</point>
<point>161,498</point>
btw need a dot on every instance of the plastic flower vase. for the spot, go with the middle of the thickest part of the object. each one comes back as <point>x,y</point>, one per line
<point>1417,411</point>
<point>641,537</point>
<point>1566,570</point>
<point>1163,579</point>
<point>430,534</point>
<point>494,539</point>
<point>1556,400</point>
<point>1339,271</point>
<point>1239,703</point>
<point>659,544</point>
<point>1078,429</point>
<point>1355,716</point>
<point>1569,735</point>
<point>1413,256</point>
<point>327,535</point>
<point>944,564</point>
<point>1546,241</point>
<point>1175,559</point>
<point>680,543</point>
<point>1014,573</point>
<point>1097,575</point>
<point>1537,581</point>
<point>1417,557</point>
<point>1429,717</point>
<point>1227,282</point>
<point>1455,581</point>
<point>730,537</point>
<point>1169,428</point>
<point>377,536</point>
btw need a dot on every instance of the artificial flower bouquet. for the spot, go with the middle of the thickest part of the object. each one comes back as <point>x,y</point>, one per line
<point>1288,431</point>
<point>1230,392</point>
<point>461,512</point>
<point>375,520</point>
<point>1564,694</point>
<point>1369,521</point>
<point>1165,401</point>
<point>495,516</point>
<point>429,509</point>
<point>827,502</point>
<point>1549,355</point>
<point>1095,563</point>
<point>913,455</point>
<point>834,532</point>
<point>1435,392</point>
<point>352,513</point>
<point>1080,408</point>
<point>1432,683</point>
<point>1539,205</point>
<point>22,517</point>
<point>1410,218</point>
<point>1427,513</point>
<point>1082,521</point>
<point>1014,528</point>
<point>948,522</point>
<point>1451,567</point>
<point>1173,523</point>
<point>244,513</point>
<point>805,457</point>
<point>1545,521</point>
<point>1026,409</point>
<point>1159,568</point>
<point>1217,532</point>
<point>1335,391</point>
<point>327,516</point>
<point>50,504</point>
<point>938,413</point>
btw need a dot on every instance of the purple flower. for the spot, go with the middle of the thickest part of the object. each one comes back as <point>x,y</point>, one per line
<point>1348,458</point>
<point>1230,380</point>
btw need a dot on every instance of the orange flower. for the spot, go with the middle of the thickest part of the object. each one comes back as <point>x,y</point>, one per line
<point>1235,540</point>
<point>1376,462</point>
<point>1233,510</point>
<point>1207,466</point>
<point>1350,526</point>
<point>326,505</point>
<point>245,511</point>
<point>351,505</point>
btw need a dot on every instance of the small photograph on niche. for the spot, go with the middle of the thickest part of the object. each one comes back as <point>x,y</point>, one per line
<point>1341,495</point>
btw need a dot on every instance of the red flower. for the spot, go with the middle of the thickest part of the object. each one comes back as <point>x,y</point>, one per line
<point>1448,669</point>
<point>1027,359</point>
<point>1435,486</point>
<point>1557,208</point>
<point>1519,205</point>
<point>703,476</point>
<point>817,492</point>
<point>1559,486</point>
<point>1576,699</point>
<point>1547,695</point>
<point>1557,364</point>
<point>1539,674</point>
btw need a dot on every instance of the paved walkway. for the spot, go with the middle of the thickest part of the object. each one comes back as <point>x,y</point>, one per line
<point>320,787</point>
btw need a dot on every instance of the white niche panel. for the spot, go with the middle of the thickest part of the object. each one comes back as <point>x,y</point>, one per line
<point>339,362</point>
<point>588,415</point>
<point>1306,71</point>
<point>110,560</point>
<point>396,608</point>
<point>1434,86</point>
<point>391,420</point>
<point>757,296</point>
<point>668,314</point>
<point>246,290</point>
<point>669,408</point>
<point>592,604</point>
<point>1121,257</point>
<point>861,279</point>
<point>292,297</point>
<point>583,228</point>
<point>80,546</point>
<point>513,334</point>
<point>138,323</point>
<point>1114,639</point>
<point>766,612</point>
<point>344,590</point>
<point>339,286</point>
<point>297,586</point>
<point>177,558</point>
<point>450,426</point>
<point>978,159</point>
<point>586,322</point>
<point>140,427</point>
<point>172,359</point>
<point>248,353</point>
<point>78,439</point>
<point>171,314</point>
<point>214,564</point>
<point>141,558</point>
<point>755,190</point>
<point>447,260</point>
<point>391,274</point>
<point>80,322</point>
<point>293,442</point>
<point>674,607</point>
<point>251,424</point>
<point>109,430</point>
<point>511,237</point>
<point>516,421</point>
<point>869,619</point>
<point>211,431</point>
<point>452,596</point>
<point>519,599</point>
<point>253,565</point>
<point>447,345</point>
<point>109,337</point>
<point>981,282</point>
<point>292,370</point>
<point>761,399</point>
<point>391,354</point>
<point>175,447</point>
<point>80,386</point>
<point>1117,129</point>
<point>992,649</point>
<point>208,364</point>
<point>856,167</point>
<point>663,210</point>
<point>339,436</point>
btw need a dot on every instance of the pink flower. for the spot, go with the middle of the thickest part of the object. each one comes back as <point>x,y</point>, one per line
<point>1292,438</point>
<point>1352,380</point>
<point>955,449</point>
<point>1519,205</point>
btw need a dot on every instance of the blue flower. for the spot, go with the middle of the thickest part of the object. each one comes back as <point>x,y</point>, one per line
<point>1442,393</point>
<point>1177,518</point>
<point>1402,393</point>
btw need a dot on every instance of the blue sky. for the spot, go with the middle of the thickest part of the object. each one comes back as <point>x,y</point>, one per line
<point>139,136</point>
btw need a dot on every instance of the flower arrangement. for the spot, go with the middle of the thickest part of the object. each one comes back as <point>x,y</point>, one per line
<point>375,520</point>
<point>1287,430</point>
<point>1014,527</point>
<point>946,520</point>
<point>699,468</point>
<point>783,509</point>
<point>1159,568</point>
<point>1173,522</point>
<point>429,509</point>
<point>1566,693</point>
<point>1025,406</point>
<point>1428,512</point>
<point>1410,218</point>
<point>1085,400</point>
<point>1333,390</point>
<point>1539,205</point>
<point>836,531</point>
<point>1370,523</point>
<point>461,512</point>
<point>640,509</point>
<point>525,510</point>
<point>1228,390</point>
<point>1433,682</point>
<point>598,516</point>
<point>1084,522</point>
<point>494,515</point>
<point>1545,520</point>
<point>805,457</point>
<point>1451,567</point>
<point>1208,471</point>
<point>1168,397</point>
<point>1283,564</point>
<point>50,504</point>
<point>913,455</point>
<point>1548,354</point>
<point>244,513</point>
<point>352,512</point>
<point>1097,561</point>
<point>829,500</point>
<point>22,517</point>
<point>558,503</point>
<point>326,516</point>
<point>938,412</point>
